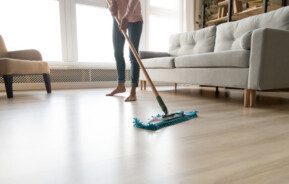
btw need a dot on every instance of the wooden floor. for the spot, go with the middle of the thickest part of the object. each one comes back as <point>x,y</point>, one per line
<point>83,137</point>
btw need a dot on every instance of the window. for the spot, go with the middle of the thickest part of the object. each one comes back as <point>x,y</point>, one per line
<point>169,4</point>
<point>94,34</point>
<point>81,30</point>
<point>35,25</point>
<point>164,20</point>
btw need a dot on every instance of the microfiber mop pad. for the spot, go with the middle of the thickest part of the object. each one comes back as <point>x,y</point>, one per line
<point>157,122</point>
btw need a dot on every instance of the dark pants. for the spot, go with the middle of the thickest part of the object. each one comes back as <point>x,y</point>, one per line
<point>134,32</point>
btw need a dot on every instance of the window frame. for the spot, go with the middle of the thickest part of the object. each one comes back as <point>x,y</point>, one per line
<point>68,21</point>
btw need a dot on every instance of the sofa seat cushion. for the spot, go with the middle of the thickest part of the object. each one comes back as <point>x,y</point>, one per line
<point>226,59</point>
<point>161,62</point>
<point>21,67</point>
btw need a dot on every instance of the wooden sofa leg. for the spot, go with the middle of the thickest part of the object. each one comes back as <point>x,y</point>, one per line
<point>246,97</point>
<point>217,91</point>
<point>252,98</point>
<point>8,80</point>
<point>176,87</point>
<point>249,97</point>
<point>47,82</point>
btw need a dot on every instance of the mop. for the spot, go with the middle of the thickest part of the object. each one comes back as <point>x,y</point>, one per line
<point>158,121</point>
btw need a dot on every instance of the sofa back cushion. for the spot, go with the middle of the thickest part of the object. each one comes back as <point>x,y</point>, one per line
<point>3,50</point>
<point>229,34</point>
<point>200,41</point>
<point>245,40</point>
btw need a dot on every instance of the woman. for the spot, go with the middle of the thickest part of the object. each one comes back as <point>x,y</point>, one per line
<point>128,13</point>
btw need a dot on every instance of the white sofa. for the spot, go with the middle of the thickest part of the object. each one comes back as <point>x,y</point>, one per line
<point>250,54</point>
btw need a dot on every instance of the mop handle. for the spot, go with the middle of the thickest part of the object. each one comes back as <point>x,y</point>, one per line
<point>136,55</point>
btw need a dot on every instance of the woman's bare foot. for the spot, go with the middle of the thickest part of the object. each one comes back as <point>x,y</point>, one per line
<point>119,89</point>
<point>132,96</point>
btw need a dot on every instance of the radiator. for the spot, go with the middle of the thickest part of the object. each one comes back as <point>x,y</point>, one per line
<point>71,76</point>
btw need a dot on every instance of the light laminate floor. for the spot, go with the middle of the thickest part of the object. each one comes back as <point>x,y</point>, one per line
<point>83,137</point>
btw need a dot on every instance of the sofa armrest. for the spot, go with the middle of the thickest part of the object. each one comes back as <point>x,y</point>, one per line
<point>269,61</point>
<point>31,54</point>
<point>151,54</point>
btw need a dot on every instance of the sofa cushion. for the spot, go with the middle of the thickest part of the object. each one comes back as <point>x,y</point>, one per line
<point>152,54</point>
<point>245,40</point>
<point>200,41</point>
<point>226,59</point>
<point>229,34</point>
<point>160,62</point>
<point>17,67</point>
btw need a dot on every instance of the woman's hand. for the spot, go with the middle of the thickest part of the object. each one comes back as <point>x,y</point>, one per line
<point>113,8</point>
<point>124,23</point>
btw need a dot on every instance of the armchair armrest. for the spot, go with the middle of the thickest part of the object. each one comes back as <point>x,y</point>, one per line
<point>151,54</point>
<point>26,55</point>
<point>269,61</point>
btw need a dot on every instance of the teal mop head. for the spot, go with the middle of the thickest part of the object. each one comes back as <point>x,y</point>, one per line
<point>157,122</point>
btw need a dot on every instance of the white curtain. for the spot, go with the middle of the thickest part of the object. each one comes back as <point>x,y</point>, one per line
<point>189,15</point>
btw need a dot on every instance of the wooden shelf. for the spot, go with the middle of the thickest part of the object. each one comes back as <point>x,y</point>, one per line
<point>254,11</point>
<point>217,21</point>
<point>243,14</point>
<point>225,3</point>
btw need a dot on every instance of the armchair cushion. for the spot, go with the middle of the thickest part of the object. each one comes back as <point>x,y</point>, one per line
<point>26,55</point>
<point>3,50</point>
<point>22,67</point>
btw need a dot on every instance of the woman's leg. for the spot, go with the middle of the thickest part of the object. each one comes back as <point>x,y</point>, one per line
<point>134,30</point>
<point>118,45</point>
